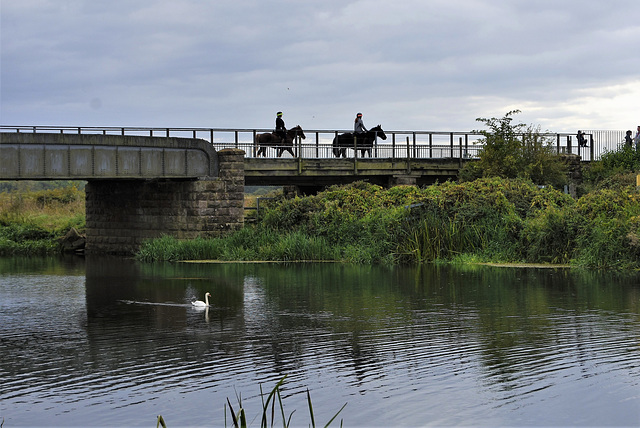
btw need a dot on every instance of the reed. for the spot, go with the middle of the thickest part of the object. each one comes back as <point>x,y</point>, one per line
<point>268,417</point>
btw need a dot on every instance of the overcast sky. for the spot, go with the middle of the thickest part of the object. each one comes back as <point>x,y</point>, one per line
<point>408,64</point>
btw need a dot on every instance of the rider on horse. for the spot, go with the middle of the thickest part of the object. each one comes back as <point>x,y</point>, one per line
<point>280,130</point>
<point>358,127</point>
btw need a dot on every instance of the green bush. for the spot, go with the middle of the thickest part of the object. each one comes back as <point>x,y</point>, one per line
<point>516,151</point>
<point>490,219</point>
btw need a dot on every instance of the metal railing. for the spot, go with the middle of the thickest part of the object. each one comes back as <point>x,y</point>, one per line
<point>318,143</point>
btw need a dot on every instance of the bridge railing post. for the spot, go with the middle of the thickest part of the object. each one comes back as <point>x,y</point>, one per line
<point>451,144</point>
<point>393,145</point>
<point>415,147</point>
<point>408,157</point>
<point>430,145</point>
<point>299,150</point>
<point>355,154</point>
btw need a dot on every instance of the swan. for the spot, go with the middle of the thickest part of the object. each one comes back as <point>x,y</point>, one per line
<point>200,303</point>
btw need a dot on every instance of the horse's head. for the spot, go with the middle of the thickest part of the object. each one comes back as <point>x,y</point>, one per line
<point>379,132</point>
<point>297,130</point>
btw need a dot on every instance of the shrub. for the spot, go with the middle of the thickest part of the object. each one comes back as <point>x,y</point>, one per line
<point>516,151</point>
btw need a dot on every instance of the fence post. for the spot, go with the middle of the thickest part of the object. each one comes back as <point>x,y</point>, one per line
<point>569,144</point>
<point>317,144</point>
<point>415,148</point>
<point>466,146</point>
<point>355,154</point>
<point>254,145</point>
<point>393,145</point>
<point>451,143</point>
<point>408,157</point>
<point>299,147</point>
<point>430,145</point>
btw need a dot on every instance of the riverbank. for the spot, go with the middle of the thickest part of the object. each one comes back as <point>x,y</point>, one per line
<point>495,220</point>
<point>32,222</point>
<point>485,221</point>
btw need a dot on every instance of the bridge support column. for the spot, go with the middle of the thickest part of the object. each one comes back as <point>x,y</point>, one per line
<point>402,180</point>
<point>121,214</point>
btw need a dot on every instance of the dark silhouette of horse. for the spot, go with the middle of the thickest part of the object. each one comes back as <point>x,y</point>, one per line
<point>364,142</point>
<point>263,141</point>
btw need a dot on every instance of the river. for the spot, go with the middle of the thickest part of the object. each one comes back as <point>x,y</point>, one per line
<point>112,342</point>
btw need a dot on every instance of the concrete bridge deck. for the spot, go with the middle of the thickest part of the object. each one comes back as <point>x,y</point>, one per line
<point>41,156</point>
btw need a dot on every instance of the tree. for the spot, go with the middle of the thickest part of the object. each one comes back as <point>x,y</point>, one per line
<point>516,151</point>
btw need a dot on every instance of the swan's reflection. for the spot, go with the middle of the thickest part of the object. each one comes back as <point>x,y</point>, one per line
<point>204,309</point>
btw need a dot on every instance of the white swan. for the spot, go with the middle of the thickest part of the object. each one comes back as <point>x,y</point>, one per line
<point>200,303</point>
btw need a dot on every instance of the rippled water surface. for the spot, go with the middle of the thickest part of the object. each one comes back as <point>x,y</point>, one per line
<point>110,342</point>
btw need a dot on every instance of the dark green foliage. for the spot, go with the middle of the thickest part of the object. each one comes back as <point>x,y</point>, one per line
<point>615,169</point>
<point>490,219</point>
<point>516,151</point>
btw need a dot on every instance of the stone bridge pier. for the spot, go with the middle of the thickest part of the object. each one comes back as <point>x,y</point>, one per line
<point>121,214</point>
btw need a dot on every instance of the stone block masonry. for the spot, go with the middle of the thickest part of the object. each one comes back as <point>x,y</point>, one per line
<point>122,214</point>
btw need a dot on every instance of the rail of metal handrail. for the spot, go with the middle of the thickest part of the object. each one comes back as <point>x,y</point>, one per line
<point>399,144</point>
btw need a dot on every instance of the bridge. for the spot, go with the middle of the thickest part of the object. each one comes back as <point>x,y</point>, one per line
<point>188,182</point>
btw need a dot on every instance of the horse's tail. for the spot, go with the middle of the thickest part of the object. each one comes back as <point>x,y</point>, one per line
<point>336,146</point>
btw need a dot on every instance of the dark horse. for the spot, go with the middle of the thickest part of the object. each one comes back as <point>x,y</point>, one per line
<point>274,140</point>
<point>364,142</point>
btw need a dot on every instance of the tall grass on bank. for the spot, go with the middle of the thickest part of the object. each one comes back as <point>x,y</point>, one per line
<point>491,219</point>
<point>247,244</point>
<point>32,222</point>
<point>269,411</point>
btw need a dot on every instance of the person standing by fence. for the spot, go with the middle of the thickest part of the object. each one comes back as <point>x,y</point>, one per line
<point>637,139</point>
<point>628,141</point>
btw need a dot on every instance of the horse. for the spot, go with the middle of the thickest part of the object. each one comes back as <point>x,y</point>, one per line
<point>364,143</point>
<point>274,140</point>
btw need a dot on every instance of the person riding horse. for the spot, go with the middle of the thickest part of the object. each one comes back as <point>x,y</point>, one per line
<point>358,127</point>
<point>364,141</point>
<point>271,139</point>
<point>280,130</point>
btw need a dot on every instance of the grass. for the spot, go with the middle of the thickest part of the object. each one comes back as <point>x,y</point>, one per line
<point>32,222</point>
<point>488,220</point>
<point>268,417</point>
